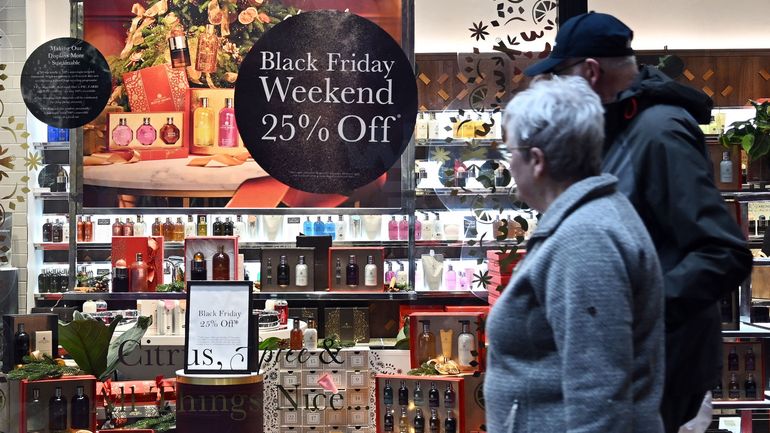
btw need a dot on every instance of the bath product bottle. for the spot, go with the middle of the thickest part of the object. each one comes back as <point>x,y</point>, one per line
<point>449,396</point>
<point>434,128</point>
<point>427,228</point>
<point>228,130</point>
<point>217,229</point>
<point>341,228</point>
<point>310,336</point>
<point>403,394</point>
<point>338,273</point>
<point>120,280</point>
<point>198,267</point>
<point>419,422</point>
<point>138,275</point>
<point>208,45</point>
<point>389,275</point>
<point>318,227</point>
<point>419,398</point>
<point>733,363</point>
<point>239,227</point>
<point>220,265</point>
<point>447,341</point>
<point>47,230</point>
<point>117,227</point>
<point>355,227</point>
<point>203,124</point>
<point>433,395</point>
<point>750,386</point>
<point>438,227</point>
<point>330,229</point>
<point>387,393</point>
<point>387,422</point>
<point>140,228</point>
<point>189,227</point>
<point>403,421</point>
<point>146,134</point>
<point>88,230</point>
<point>450,279</point>
<point>35,413</point>
<point>81,410</point>
<point>203,227</point>
<point>462,280</point>
<point>168,230</point>
<point>403,229</point>
<point>393,229</point>
<point>169,133</point>
<point>426,344</point>
<point>295,337</point>
<point>749,359</point>
<point>417,229</point>
<point>726,168</point>
<point>300,273</point>
<point>450,423</point>
<point>178,230</point>
<point>269,272</point>
<point>128,227</point>
<point>370,272</point>
<point>421,128</point>
<point>228,227</point>
<point>283,273</point>
<point>177,44</point>
<point>307,227</point>
<point>57,411</point>
<point>401,275</point>
<point>733,389</point>
<point>21,344</point>
<point>435,423</point>
<point>351,272</point>
<point>122,134</point>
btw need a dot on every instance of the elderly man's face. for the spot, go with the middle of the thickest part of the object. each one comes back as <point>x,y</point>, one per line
<point>522,172</point>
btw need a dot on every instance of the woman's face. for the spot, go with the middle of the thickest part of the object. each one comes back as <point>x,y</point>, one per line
<point>522,172</point>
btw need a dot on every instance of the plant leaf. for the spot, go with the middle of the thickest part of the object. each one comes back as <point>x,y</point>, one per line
<point>130,340</point>
<point>88,340</point>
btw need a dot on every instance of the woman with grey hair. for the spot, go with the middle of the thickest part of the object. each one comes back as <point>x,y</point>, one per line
<point>576,339</point>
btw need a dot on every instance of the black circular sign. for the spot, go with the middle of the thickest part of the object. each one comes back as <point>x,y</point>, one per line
<point>326,101</point>
<point>66,82</point>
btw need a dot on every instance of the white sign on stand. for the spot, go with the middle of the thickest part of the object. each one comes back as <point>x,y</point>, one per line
<point>220,336</point>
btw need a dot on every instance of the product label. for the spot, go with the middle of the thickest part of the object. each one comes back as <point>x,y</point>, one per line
<point>293,220</point>
<point>103,222</point>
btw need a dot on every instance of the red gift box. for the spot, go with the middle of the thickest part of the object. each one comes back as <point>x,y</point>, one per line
<point>151,248</point>
<point>47,388</point>
<point>443,321</point>
<point>361,253</point>
<point>157,88</point>
<point>405,310</point>
<point>208,245</point>
<point>144,392</point>
<point>494,258</point>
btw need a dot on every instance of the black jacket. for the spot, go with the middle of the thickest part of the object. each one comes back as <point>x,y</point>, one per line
<point>656,149</point>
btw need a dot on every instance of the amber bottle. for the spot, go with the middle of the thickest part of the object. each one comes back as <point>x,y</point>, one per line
<point>198,267</point>
<point>178,230</point>
<point>220,265</point>
<point>295,338</point>
<point>157,227</point>
<point>168,230</point>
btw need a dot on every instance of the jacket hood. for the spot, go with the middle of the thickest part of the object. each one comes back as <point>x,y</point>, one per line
<point>653,87</point>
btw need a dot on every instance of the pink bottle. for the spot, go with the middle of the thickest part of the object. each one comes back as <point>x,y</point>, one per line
<point>403,229</point>
<point>450,279</point>
<point>389,275</point>
<point>393,229</point>
<point>122,134</point>
<point>146,134</point>
<point>228,130</point>
<point>417,229</point>
<point>463,281</point>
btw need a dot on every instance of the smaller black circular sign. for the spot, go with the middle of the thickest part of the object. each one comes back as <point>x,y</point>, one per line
<point>326,101</point>
<point>66,82</point>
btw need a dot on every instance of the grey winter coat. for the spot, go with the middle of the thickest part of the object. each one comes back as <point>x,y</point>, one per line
<point>576,339</point>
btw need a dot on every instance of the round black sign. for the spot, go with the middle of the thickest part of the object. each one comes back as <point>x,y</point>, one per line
<point>326,101</point>
<point>66,82</point>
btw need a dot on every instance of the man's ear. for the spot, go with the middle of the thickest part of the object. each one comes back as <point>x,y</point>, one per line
<point>592,71</point>
<point>537,159</point>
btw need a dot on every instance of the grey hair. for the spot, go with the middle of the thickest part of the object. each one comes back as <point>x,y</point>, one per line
<point>564,118</point>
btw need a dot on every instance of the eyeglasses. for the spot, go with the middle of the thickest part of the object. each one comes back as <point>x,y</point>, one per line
<point>520,147</point>
<point>560,70</point>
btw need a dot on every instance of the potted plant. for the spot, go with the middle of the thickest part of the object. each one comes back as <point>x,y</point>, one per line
<point>753,136</point>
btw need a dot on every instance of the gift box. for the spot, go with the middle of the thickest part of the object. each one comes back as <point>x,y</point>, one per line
<point>444,333</point>
<point>271,259</point>
<point>321,268</point>
<point>141,392</point>
<point>743,372</point>
<point>151,248</point>
<point>404,310</point>
<point>460,394</point>
<point>339,259</point>
<point>349,323</point>
<point>33,324</point>
<point>157,88</point>
<point>168,143</point>
<point>33,414</point>
<point>96,133</point>
<point>501,264</point>
<point>716,151</point>
<point>216,102</point>
<point>304,313</point>
<point>208,246</point>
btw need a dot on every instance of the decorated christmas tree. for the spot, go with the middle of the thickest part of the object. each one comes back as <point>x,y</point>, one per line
<point>237,24</point>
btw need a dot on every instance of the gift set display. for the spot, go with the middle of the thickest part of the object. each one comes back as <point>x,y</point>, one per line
<point>25,334</point>
<point>460,343</point>
<point>54,405</point>
<point>743,373</point>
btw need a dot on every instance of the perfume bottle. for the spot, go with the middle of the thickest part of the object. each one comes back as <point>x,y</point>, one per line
<point>421,128</point>
<point>750,387</point>
<point>128,227</point>
<point>57,411</point>
<point>206,56</point>
<point>403,229</point>
<point>351,272</point>
<point>217,229</point>
<point>228,130</point>
<point>88,230</point>
<point>283,273</point>
<point>310,336</point>
<point>138,275</point>
<point>403,421</point>
<point>198,267</point>
<point>401,276</point>
<point>57,231</point>
<point>749,359</point>
<point>355,227</point>
<point>157,227</point>
<point>295,337</point>
<point>393,229</point>
<point>122,134</point>
<point>300,273</point>
<point>269,271</point>
<point>330,229</point>
<point>239,227</point>
<point>47,230</point>
<point>189,227</point>
<point>717,393</point>
<point>177,44</point>
<point>203,121</point>
<point>35,413</point>
<point>81,410</point>
<point>427,228</point>
<point>120,279</point>
<point>370,272</point>
<point>340,228</point>
<point>438,227</point>
<point>403,394</point>
<point>388,421</point>
<point>80,237</point>
<point>117,227</point>
<point>318,227</point>
<point>168,230</point>
<point>732,360</point>
<point>202,225</point>
<point>419,422</point>
<point>449,396</point>
<point>220,265</point>
<point>21,344</point>
<point>450,423</point>
<point>307,227</point>
<point>726,168</point>
<point>389,275</point>
<point>733,389</point>
<point>178,235</point>
<point>338,272</point>
<point>450,278</point>
<point>426,344</point>
<point>433,395</point>
<point>417,229</point>
<point>435,423</point>
<point>140,228</point>
<point>462,280</point>
<point>466,346</point>
<point>146,133</point>
<point>228,227</point>
<point>419,398</point>
<point>434,128</point>
<point>387,393</point>
<point>169,133</point>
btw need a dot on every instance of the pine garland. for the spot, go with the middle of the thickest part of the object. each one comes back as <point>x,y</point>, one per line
<point>46,368</point>
<point>160,424</point>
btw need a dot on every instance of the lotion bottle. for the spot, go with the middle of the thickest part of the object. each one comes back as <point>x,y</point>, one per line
<point>466,345</point>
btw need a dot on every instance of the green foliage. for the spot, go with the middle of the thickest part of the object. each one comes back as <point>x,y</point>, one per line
<point>160,424</point>
<point>424,370</point>
<point>176,286</point>
<point>752,135</point>
<point>46,368</point>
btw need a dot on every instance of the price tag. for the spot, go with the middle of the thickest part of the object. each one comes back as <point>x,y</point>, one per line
<point>292,220</point>
<point>219,328</point>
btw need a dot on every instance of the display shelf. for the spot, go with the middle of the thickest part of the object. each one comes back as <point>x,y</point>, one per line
<point>445,191</point>
<point>52,246</point>
<point>743,404</point>
<point>444,243</point>
<point>289,296</point>
<point>756,195</point>
<point>45,194</point>
<point>51,145</point>
<point>748,330</point>
<point>460,142</point>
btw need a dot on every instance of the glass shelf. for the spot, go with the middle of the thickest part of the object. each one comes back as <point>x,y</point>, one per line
<point>52,246</point>
<point>289,296</point>
<point>743,404</point>
<point>460,142</point>
<point>487,192</point>
<point>44,194</point>
<point>51,145</point>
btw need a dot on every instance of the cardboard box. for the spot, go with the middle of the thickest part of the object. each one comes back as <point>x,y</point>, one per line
<point>151,248</point>
<point>348,323</point>
<point>47,388</point>
<point>442,322</point>
<point>142,392</point>
<point>158,149</point>
<point>216,101</point>
<point>737,360</point>
<point>157,88</point>
<point>209,245</point>
<point>269,277</point>
<point>337,276</point>
<point>33,323</point>
<point>304,313</point>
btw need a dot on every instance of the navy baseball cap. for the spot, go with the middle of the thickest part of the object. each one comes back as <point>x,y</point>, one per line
<point>587,35</point>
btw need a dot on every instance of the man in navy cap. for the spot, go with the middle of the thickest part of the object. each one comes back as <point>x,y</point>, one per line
<point>656,149</point>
